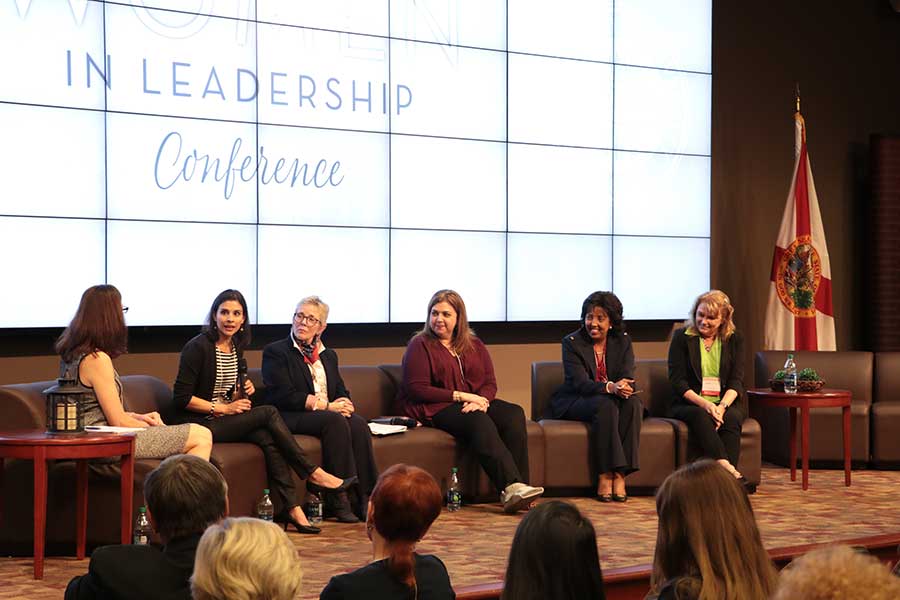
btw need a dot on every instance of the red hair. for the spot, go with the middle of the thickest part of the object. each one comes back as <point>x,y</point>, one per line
<point>98,324</point>
<point>405,502</point>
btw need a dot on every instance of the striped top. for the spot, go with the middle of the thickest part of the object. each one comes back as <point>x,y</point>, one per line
<point>226,374</point>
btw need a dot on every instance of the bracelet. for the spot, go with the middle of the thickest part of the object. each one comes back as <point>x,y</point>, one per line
<point>455,396</point>
<point>212,409</point>
<point>607,387</point>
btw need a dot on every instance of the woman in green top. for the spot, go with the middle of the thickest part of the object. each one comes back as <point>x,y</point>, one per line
<point>706,370</point>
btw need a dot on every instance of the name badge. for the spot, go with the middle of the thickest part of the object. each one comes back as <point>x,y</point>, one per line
<point>711,386</point>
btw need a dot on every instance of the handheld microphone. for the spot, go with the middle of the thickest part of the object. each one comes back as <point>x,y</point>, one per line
<point>242,377</point>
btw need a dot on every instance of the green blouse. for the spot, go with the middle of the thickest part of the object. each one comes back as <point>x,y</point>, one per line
<point>709,364</point>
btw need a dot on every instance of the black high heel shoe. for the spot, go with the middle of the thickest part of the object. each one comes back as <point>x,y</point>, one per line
<point>318,489</point>
<point>286,519</point>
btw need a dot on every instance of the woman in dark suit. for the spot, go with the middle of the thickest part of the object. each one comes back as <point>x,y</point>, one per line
<point>405,502</point>
<point>303,381</point>
<point>706,371</point>
<point>599,385</point>
<point>211,389</point>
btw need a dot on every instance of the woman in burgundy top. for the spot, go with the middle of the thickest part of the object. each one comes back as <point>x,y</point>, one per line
<point>448,383</point>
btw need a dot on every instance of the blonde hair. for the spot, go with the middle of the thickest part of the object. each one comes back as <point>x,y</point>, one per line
<point>718,301</point>
<point>318,303</point>
<point>461,342</point>
<point>837,572</point>
<point>245,559</point>
<point>707,535</point>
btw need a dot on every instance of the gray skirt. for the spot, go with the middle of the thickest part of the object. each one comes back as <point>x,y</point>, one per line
<point>161,441</point>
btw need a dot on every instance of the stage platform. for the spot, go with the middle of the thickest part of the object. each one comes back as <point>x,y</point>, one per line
<point>474,542</point>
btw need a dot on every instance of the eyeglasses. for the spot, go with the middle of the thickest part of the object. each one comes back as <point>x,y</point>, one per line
<point>124,309</point>
<point>301,318</point>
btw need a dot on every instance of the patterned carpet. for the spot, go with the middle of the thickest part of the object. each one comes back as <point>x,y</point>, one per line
<point>474,542</point>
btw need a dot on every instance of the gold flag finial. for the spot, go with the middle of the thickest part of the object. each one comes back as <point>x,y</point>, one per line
<point>797,98</point>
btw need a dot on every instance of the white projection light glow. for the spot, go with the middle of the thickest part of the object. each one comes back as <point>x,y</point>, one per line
<point>368,151</point>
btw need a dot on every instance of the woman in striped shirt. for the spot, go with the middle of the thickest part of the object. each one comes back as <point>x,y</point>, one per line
<point>210,390</point>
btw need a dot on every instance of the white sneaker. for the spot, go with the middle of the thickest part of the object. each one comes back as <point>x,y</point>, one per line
<point>517,496</point>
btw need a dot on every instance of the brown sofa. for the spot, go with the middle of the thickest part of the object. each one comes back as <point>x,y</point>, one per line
<point>665,443</point>
<point>885,413</point>
<point>373,389</point>
<point>558,452</point>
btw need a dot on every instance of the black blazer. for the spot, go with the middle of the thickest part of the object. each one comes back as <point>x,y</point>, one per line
<point>580,366</point>
<point>138,572</point>
<point>288,380</point>
<point>684,365</point>
<point>196,377</point>
<point>374,582</point>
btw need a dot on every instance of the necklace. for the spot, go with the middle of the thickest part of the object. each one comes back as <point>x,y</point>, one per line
<point>708,343</point>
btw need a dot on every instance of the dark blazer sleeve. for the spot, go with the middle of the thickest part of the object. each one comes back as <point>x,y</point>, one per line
<point>191,372</point>
<point>735,376</point>
<point>336,387</point>
<point>578,377</point>
<point>283,391</point>
<point>620,364</point>
<point>679,364</point>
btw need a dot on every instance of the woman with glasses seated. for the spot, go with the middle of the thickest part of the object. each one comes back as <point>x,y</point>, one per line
<point>302,379</point>
<point>87,347</point>
<point>449,383</point>
<point>211,389</point>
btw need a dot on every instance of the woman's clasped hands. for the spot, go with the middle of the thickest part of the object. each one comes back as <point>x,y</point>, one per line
<point>473,402</point>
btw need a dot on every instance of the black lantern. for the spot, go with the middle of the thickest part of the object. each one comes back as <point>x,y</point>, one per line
<point>65,405</point>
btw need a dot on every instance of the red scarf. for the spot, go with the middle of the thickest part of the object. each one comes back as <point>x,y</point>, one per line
<point>310,352</point>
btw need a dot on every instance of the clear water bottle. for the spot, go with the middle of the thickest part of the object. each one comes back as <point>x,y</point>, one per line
<point>454,494</point>
<point>264,508</point>
<point>142,529</point>
<point>790,375</point>
<point>313,508</point>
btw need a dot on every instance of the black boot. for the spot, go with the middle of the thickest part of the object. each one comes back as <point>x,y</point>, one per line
<point>338,507</point>
<point>361,506</point>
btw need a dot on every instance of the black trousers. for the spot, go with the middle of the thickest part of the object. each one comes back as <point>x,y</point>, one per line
<point>346,443</point>
<point>498,437</point>
<point>615,430</point>
<point>724,443</point>
<point>263,426</point>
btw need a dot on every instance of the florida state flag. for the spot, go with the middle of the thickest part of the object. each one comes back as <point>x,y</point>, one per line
<point>800,315</point>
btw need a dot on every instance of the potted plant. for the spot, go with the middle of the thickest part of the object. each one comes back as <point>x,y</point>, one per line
<point>808,380</point>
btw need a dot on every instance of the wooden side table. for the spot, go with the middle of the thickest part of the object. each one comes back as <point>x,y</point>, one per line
<point>40,447</point>
<point>806,401</point>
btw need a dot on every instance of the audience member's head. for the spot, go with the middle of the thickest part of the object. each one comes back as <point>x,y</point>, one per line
<point>554,555</point>
<point>246,559</point>
<point>185,494</point>
<point>707,538</point>
<point>837,572</point>
<point>405,502</point>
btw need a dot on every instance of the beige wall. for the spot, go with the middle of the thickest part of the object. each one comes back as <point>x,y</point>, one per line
<point>512,363</point>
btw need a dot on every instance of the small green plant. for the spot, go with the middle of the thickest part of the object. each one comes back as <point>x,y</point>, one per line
<point>808,374</point>
<point>779,375</point>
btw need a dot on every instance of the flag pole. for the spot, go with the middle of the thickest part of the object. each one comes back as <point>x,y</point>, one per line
<point>800,134</point>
